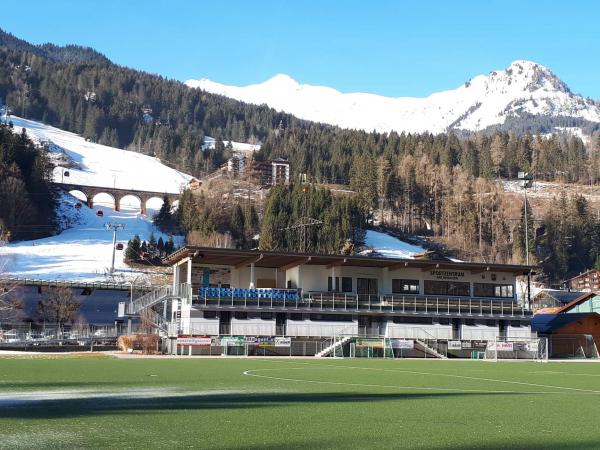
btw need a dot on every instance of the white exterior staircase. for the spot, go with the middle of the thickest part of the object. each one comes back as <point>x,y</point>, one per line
<point>330,349</point>
<point>429,350</point>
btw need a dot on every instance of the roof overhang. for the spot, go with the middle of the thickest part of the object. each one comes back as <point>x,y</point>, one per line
<point>284,261</point>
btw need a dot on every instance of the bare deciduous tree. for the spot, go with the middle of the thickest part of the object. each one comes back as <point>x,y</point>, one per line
<point>146,325</point>
<point>10,292</point>
<point>81,325</point>
<point>59,306</point>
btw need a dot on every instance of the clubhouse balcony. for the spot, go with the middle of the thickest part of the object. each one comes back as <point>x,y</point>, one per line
<point>294,300</point>
<point>227,279</point>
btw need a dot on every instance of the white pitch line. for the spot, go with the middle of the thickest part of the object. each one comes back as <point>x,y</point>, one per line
<point>566,373</point>
<point>416,388</point>
<point>520,383</point>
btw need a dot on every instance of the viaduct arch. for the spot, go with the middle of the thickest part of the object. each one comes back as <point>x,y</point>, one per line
<point>91,191</point>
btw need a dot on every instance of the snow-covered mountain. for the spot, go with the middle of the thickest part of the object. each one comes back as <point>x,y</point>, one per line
<point>524,89</point>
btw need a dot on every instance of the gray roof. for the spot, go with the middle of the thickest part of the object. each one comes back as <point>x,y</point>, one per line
<point>562,296</point>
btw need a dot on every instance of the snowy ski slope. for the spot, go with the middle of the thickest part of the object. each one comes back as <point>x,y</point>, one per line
<point>100,165</point>
<point>390,246</point>
<point>83,251</point>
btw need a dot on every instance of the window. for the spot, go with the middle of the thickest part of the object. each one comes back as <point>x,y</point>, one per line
<point>240,315</point>
<point>345,286</point>
<point>408,319</point>
<point>331,317</point>
<point>266,316</point>
<point>447,288</point>
<point>296,316</point>
<point>210,314</point>
<point>493,290</point>
<point>366,286</point>
<point>405,286</point>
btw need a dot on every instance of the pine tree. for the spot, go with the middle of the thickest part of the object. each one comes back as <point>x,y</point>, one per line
<point>152,242</point>
<point>250,221</point>
<point>160,246</point>
<point>187,212</point>
<point>163,219</point>
<point>169,246</point>
<point>237,223</point>
<point>132,252</point>
<point>520,244</point>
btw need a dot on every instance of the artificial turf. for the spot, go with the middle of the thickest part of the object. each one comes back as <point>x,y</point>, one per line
<point>74,402</point>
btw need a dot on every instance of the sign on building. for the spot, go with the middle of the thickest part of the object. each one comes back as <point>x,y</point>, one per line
<point>194,341</point>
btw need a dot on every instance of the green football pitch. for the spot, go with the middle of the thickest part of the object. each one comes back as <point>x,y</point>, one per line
<point>104,402</point>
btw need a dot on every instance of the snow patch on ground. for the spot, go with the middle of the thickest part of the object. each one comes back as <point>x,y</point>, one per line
<point>31,398</point>
<point>390,246</point>
<point>82,252</point>
<point>93,164</point>
<point>239,147</point>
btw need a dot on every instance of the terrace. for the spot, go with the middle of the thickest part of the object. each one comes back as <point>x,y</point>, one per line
<point>286,300</point>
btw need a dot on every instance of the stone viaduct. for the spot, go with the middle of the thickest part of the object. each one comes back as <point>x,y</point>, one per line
<point>117,194</point>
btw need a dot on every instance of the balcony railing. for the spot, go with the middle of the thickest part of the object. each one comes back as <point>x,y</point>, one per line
<point>293,299</point>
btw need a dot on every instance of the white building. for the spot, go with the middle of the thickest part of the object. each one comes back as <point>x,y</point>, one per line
<point>253,293</point>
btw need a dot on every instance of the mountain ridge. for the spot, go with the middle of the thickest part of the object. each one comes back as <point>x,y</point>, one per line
<point>55,53</point>
<point>524,90</point>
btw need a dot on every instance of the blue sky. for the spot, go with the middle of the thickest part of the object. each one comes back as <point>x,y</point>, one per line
<point>392,48</point>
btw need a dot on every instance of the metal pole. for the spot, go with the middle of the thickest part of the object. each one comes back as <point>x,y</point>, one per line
<point>526,230</point>
<point>112,267</point>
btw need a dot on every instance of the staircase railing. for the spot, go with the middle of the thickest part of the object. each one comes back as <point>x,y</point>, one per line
<point>338,343</point>
<point>148,300</point>
<point>428,348</point>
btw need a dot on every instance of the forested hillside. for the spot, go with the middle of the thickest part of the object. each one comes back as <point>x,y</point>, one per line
<point>440,185</point>
<point>26,200</point>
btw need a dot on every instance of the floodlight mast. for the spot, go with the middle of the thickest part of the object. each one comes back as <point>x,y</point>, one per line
<point>114,226</point>
<point>526,181</point>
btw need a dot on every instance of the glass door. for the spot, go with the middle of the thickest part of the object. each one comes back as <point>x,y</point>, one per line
<point>367,290</point>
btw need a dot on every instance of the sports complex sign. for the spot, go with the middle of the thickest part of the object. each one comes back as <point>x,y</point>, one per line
<point>447,274</point>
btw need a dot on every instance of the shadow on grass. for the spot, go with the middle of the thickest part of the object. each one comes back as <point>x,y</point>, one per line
<point>97,404</point>
<point>318,444</point>
<point>546,444</point>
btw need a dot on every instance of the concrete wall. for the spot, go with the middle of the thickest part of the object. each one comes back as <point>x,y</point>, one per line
<point>252,327</point>
<point>518,332</point>
<point>479,332</point>
<point>98,308</point>
<point>418,331</point>
<point>320,328</point>
<point>201,326</point>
